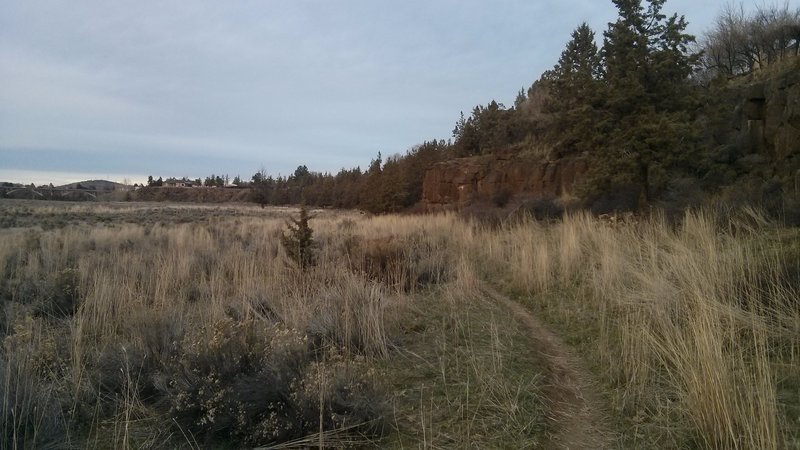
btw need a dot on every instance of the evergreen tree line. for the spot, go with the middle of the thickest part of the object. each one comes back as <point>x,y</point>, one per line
<point>209,181</point>
<point>385,186</point>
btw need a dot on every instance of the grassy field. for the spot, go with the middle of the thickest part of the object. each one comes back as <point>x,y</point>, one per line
<point>165,326</point>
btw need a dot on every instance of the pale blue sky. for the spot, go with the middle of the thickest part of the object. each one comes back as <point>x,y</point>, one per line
<point>126,88</point>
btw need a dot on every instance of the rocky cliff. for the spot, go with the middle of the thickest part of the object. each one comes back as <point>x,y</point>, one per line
<point>496,178</point>
<point>760,134</point>
<point>771,114</point>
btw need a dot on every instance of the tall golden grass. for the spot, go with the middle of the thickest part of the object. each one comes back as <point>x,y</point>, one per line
<point>693,325</point>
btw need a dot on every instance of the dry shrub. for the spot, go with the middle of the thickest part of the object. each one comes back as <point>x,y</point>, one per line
<point>406,263</point>
<point>381,260</point>
<point>252,384</point>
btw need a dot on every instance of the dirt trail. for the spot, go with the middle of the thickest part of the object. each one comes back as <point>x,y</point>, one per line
<point>576,411</point>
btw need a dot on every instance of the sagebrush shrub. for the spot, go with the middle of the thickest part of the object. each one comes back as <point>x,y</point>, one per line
<point>250,384</point>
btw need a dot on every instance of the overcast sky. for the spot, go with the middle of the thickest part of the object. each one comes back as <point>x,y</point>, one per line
<point>123,89</point>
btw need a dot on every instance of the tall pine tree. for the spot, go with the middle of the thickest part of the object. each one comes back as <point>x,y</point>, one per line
<point>649,134</point>
<point>573,79</point>
<point>574,88</point>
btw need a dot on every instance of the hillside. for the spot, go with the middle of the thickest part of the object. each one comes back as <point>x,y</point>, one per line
<point>90,190</point>
<point>750,140</point>
<point>94,185</point>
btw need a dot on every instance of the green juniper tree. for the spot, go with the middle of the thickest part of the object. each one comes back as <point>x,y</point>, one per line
<point>647,127</point>
<point>574,87</point>
<point>299,242</point>
<point>573,79</point>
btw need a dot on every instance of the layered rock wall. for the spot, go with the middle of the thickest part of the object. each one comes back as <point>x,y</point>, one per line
<point>462,181</point>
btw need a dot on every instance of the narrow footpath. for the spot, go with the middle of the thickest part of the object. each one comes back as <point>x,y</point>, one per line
<point>576,410</point>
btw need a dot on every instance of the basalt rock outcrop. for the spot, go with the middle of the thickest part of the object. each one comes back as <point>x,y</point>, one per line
<point>495,178</point>
<point>760,135</point>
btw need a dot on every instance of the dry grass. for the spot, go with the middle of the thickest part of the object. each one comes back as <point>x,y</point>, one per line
<point>696,328</point>
<point>124,324</point>
<point>466,376</point>
<point>131,317</point>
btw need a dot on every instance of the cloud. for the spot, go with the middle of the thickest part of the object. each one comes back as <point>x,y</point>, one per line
<point>279,83</point>
<point>32,84</point>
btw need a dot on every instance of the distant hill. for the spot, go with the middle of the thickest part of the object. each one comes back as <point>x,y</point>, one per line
<point>94,185</point>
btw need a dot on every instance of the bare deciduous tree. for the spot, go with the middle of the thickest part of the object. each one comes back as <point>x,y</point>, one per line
<point>739,42</point>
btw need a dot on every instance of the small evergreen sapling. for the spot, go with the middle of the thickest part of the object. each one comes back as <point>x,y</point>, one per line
<point>298,242</point>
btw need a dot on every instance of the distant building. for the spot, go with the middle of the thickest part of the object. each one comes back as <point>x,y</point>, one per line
<point>173,182</point>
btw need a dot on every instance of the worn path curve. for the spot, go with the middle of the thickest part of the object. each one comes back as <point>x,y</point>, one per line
<point>576,410</point>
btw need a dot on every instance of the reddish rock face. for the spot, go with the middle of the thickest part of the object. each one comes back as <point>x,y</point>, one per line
<point>461,181</point>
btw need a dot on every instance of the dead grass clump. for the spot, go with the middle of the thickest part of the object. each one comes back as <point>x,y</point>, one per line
<point>30,415</point>
<point>351,315</point>
<point>64,294</point>
<point>406,263</point>
<point>334,307</point>
<point>382,260</point>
